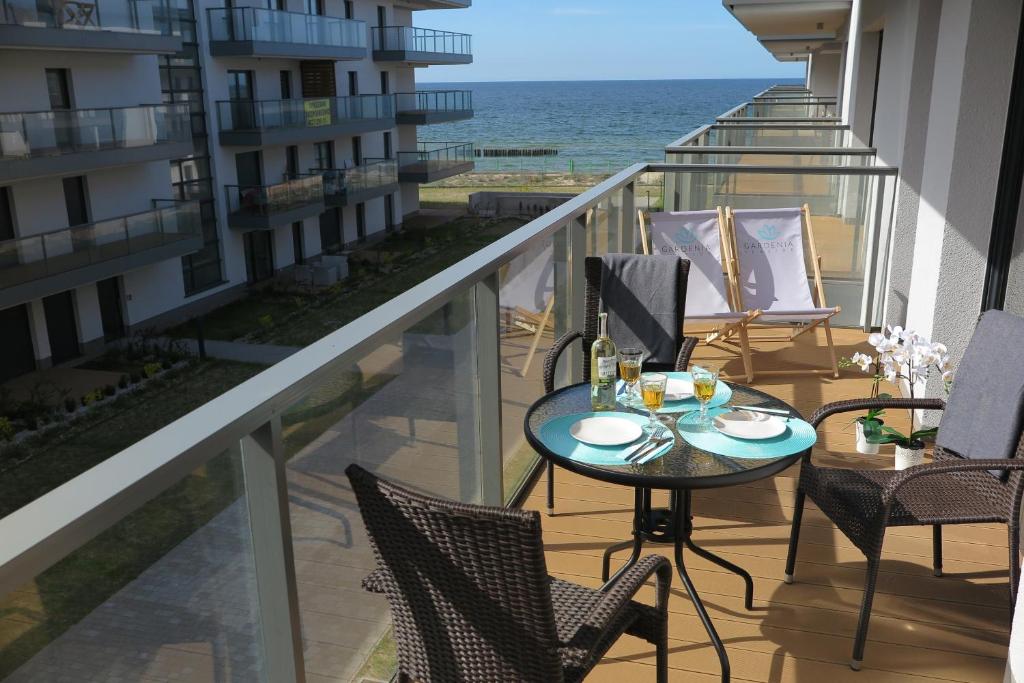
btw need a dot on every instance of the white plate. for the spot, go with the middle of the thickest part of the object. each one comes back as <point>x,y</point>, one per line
<point>605,431</point>
<point>678,389</point>
<point>744,424</point>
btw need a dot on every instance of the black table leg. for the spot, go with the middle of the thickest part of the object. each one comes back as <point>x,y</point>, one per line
<point>641,504</point>
<point>748,598</point>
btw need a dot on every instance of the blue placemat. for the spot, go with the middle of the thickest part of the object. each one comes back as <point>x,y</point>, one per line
<point>798,436</point>
<point>723,394</point>
<point>555,435</point>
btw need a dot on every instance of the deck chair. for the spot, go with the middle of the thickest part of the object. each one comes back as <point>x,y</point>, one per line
<point>712,293</point>
<point>768,245</point>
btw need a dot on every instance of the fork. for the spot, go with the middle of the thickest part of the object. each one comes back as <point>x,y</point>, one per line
<point>658,439</point>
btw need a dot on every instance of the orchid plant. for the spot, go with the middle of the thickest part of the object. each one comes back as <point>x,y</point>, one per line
<point>901,355</point>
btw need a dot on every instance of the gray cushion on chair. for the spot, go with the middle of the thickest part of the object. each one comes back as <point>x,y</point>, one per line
<point>639,295</point>
<point>983,414</point>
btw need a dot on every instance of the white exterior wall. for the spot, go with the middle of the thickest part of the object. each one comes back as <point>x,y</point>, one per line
<point>823,79</point>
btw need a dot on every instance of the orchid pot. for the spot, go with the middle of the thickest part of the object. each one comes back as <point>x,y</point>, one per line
<point>864,445</point>
<point>909,454</point>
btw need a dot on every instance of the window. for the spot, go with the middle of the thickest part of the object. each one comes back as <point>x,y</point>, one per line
<point>353,83</point>
<point>387,145</point>
<point>385,84</point>
<point>58,85</point>
<point>75,200</point>
<point>389,213</point>
<point>240,85</point>
<point>361,222</point>
<point>6,214</point>
<point>286,85</point>
<point>323,154</point>
<point>382,15</point>
<point>350,12</point>
<point>314,6</point>
<point>291,160</point>
<point>297,247</point>
<point>330,231</point>
<point>357,149</point>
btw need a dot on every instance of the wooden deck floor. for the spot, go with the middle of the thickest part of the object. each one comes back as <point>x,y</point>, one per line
<point>953,628</point>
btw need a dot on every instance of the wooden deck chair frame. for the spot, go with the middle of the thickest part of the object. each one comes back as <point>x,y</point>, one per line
<point>733,332</point>
<point>818,293</point>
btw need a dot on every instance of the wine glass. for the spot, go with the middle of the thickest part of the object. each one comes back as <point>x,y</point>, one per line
<point>704,383</point>
<point>630,359</point>
<point>652,390</point>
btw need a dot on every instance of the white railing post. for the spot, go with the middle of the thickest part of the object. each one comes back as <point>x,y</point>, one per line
<point>488,389</point>
<point>266,489</point>
<point>577,284</point>
<point>627,228</point>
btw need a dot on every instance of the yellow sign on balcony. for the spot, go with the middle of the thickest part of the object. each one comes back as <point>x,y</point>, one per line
<point>318,112</point>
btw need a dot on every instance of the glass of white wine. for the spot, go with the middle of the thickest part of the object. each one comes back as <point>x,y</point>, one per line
<point>704,382</point>
<point>630,359</point>
<point>652,390</point>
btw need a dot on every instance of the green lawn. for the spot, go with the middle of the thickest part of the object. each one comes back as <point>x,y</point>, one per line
<point>258,309</point>
<point>71,589</point>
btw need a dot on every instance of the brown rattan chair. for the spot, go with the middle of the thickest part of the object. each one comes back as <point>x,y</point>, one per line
<point>471,599</point>
<point>591,307</point>
<point>953,489</point>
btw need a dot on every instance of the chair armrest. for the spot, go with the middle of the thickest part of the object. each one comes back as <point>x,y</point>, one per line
<point>685,351</point>
<point>867,403</point>
<point>945,467</point>
<point>619,593</point>
<point>551,358</point>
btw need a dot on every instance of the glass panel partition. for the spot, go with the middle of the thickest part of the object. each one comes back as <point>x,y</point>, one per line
<point>768,135</point>
<point>50,133</point>
<point>798,157</point>
<point>168,593</point>
<point>124,16</point>
<point>340,182</point>
<point>244,115</point>
<point>434,100</point>
<point>435,156</point>
<point>278,26</point>
<point>265,200</point>
<point>786,110</point>
<point>37,256</point>
<point>412,39</point>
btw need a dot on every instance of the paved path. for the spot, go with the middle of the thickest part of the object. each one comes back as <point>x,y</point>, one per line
<point>261,354</point>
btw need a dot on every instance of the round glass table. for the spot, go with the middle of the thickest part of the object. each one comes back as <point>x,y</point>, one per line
<point>680,470</point>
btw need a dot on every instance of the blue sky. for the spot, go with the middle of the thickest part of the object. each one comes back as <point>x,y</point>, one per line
<point>529,40</point>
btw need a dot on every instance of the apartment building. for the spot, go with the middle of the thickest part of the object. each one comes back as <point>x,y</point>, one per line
<point>158,156</point>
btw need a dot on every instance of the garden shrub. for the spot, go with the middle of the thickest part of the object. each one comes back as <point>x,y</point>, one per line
<point>6,429</point>
<point>151,369</point>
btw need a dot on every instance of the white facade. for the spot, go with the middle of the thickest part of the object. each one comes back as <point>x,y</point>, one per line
<point>155,294</point>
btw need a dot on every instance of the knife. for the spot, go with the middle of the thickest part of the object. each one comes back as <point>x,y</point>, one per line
<point>756,409</point>
<point>649,449</point>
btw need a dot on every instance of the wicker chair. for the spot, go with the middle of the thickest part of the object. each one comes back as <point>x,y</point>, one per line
<point>591,307</point>
<point>950,490</point>
<point>471,599</point>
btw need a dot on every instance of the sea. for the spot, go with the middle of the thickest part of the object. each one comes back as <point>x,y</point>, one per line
<point>595,126</point>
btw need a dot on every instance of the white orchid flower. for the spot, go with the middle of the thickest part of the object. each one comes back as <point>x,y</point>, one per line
<point>862,360</point>
<point>875,338</point>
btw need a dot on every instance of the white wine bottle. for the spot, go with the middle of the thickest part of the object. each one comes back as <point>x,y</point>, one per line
<point>603,360</point>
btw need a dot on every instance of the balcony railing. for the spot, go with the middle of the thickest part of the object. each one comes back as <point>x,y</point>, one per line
<point>433,106</point>
<point>137,26</point>
<point>265,32</point>
<point>52,142</point>
<point>421,45</point>
<point>434,161</point>
<point>96,250</point>
<point>266,206</point>
<point>55,133</point>
<point>782,109</point>
<point>414,389</point>
<point>259,122</point>
<point>763,134</point>
<point>349,186</point>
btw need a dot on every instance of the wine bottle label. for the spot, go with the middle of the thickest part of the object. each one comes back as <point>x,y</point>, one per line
<point>606,368</point>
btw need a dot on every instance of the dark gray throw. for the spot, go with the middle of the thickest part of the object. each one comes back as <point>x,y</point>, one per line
<point>639,295</point>
<point>983,414</point>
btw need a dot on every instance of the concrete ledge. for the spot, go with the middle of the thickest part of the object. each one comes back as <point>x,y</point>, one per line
<point>426,117</point>
<point>246,222</point>
<point>424,58</point>
<point>353,198</point>
<point>78,162</point>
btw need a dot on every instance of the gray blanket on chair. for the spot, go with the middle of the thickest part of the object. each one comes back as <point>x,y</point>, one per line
<point>639,295</point>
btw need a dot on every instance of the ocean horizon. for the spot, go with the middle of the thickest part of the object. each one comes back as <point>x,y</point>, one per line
<point>596,126</point>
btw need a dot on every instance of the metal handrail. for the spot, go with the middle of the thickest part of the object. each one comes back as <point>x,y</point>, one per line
<point>415,39</point>
<point>462,100</point>
<point>246,23</point>
<point>29,14</point>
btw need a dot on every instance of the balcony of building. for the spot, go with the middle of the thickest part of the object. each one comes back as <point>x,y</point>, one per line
<point>359,183</point>
<point>256,123</point>
<point>436,4</point>
<point>430,389</point>
<point>262,207</point>
<point>421,46</point>
<point>48,143</point>
<point>424,107</point>
<point>38,265</point>
<point>260,32</point>
<point>119,26</point>
<point>783,110</point>
<point>435,161</point>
